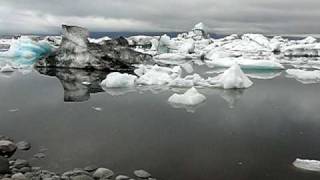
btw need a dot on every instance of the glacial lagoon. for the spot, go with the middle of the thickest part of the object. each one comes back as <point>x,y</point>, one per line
<point>254,133</point>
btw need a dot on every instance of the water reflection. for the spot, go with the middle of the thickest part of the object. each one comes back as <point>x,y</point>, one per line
<point>77,84</point>
<point>231,96</point>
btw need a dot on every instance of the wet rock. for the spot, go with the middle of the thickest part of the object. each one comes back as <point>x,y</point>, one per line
<point>23,145</point>
<point>7,148</point>
<point>122,177</point>
<point>142,174</point>
<point>18,176</point>
<point>90,168</point>
<point>81,177</point>
<point>4,165</point>
<point>20,163</point>
<point>76,51</point>
<point>74,173</point>
<point>103,173</point>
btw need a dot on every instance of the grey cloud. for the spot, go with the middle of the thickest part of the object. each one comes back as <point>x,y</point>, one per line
<point>222,16</point>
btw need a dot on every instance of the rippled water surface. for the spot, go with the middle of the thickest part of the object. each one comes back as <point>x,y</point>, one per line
<point>236,134</point>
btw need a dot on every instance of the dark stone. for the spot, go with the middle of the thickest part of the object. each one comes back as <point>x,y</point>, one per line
<point>4,165</point>
<point>7,148</point>
<point>20,163</point>
<point>23,145</point>
<point>76,51</point>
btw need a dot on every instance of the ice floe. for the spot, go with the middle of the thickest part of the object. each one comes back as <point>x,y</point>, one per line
<point>119,80</point>
<point>306,77</point>
<point>190,98</point>
<point>310,165</point>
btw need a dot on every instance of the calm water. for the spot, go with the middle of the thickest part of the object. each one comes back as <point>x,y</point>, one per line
<point>245,135</point>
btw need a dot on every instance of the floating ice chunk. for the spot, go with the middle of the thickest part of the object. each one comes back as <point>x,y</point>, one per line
<point>140,40</point>
<point>232,78</point>
<point>118,80</point>
<point>310,165</point>
<point>164,44</point>
<point>96,108</point>
<point>154,44</point>
<point>6,69</point>
<point>26,51</point>
<point>187,47</point>
<point>187,67</point>
<point>190,98</point>
<point>99,40</point>
<point>189,81</point>
<point>172,56</point>
<point>306,77</point>
<point>302,50</point>
<point>156,75</point>
<point>246,63</point>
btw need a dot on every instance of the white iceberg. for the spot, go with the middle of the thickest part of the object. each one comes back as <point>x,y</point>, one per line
<point>308,40</point>
<point>156,75</point>
<point>302,50</point>
<point>306,77</point>
<point>310,165</point>
<point>259,39</point>
<point>232,78</point>
<point>118,80</point>
<point>6,69</point>
<point>140,40</point>
<point>190,98</point>
<point>245,63</point>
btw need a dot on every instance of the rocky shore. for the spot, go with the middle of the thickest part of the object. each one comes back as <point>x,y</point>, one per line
<point>19,169</point>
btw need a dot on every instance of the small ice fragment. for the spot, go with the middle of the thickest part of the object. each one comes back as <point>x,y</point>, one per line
<point>191,98</point>
<point>303,76</point>
<point>118,80</point>
<point>13,110</point>
<point>39,155</point>
<point>310,165</point>
<point>97,108</point>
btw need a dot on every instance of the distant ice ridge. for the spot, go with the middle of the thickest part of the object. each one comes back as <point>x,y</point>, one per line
<point>310,165</point>
<point>25,51</point>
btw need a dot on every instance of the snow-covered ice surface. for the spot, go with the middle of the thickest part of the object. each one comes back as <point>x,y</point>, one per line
<point>310,165</point>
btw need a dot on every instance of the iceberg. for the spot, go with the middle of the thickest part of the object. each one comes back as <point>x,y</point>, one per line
<point>306,77</point>
<point>190,98</point>
<point>26,51</point>
<point>259,39</point>
<point>187,47</point>
<point>232,78</point>
<point>310,165</point>
<point>156,75</point>
<point>245,63</point>
<point>302,50</point>
<point>118,80</point>
<point>164,44</point>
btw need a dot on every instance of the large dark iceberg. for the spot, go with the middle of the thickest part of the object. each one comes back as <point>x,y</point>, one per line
<point>76,51</point>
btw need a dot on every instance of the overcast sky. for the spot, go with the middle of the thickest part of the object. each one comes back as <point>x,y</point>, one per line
<point>221,16</point>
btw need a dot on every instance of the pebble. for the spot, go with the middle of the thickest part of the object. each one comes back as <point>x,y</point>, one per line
<point>39,155</point>
<point>18,176</point>
<point>103,173</point>
<point>142,174</point>
<point>23,145</point>
<point>90,168</point>
<point>4,165</point>
<point>81,177</point>
<point>122,177</point>
<point>20,163</point>
<point>7,148</point>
